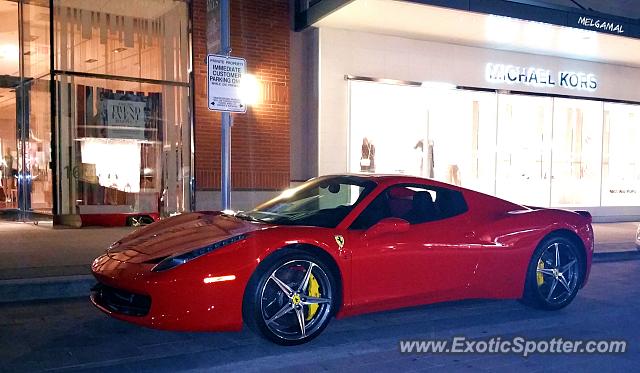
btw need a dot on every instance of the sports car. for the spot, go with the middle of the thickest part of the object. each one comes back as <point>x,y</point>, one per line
<point>341,245</point>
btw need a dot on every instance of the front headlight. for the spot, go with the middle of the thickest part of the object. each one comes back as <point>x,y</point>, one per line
<point>176,260</point>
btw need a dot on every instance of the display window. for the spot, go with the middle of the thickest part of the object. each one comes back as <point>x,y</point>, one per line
<point>460,141</point>
<point>533,150</point>
<point>620,156</point>
<point>25,120</point>
<point>577,152</point>
<point>420,131</point>
<point>122,83</point>
<point>523,149</point>
<point>391,126</point>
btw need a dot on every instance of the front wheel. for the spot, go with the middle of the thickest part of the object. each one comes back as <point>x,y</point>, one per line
<point>291,300</point>
<point>554,274</point>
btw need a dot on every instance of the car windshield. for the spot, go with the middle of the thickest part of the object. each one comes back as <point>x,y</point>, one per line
<point>321,202</point>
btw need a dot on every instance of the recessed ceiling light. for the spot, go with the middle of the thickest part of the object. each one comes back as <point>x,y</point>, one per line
<point>118,50</point>
<point>91,60</point>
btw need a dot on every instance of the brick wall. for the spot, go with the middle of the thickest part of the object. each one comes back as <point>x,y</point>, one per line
<point>259,138</point>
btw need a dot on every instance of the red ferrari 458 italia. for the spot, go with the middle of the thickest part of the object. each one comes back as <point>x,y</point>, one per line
<point>341,245</point>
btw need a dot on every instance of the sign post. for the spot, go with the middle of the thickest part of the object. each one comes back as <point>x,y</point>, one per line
<point>224,75</point>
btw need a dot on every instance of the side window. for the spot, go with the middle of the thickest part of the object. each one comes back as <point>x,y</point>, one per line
<point>413,203</point>
<point>377,210</point>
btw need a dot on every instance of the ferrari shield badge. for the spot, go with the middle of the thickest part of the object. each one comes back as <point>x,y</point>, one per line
<point>339,240</point>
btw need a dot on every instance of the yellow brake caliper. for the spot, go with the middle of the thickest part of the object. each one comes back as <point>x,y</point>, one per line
<point>314,291</point>
<point>539,275</point>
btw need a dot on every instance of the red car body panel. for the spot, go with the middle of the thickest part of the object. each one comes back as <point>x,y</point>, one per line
<point>114,220</point>
<point>482,253</point>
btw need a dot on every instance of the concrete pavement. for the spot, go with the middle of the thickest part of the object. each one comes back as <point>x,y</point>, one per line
<point>30,251</point>
<point>615,236</point>
<point>70,335</point>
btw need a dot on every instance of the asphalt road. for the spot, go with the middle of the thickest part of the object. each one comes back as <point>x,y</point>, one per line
<point>69,335</point>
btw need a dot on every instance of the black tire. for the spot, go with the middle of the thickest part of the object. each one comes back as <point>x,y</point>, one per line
<point>146,220</point>
<point>554,274</point>
<point>139,221</point>
<point>281,317</point>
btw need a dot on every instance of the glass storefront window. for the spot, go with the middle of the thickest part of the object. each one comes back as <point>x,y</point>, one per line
<point>577,151</point>
<point>8,150</point>
<point>25,121</point>
<point>123,107</point>
<point>540,151</point>
<point>524,149</point>
<point>143,38</point>
<point>121,84</point>
<point>129,147</point>
<point>36,47</point>
<point>420,131</point>
<point>620,156</point>
<point>9,80</point>
<point>461,138</point>
<point>391,125</point>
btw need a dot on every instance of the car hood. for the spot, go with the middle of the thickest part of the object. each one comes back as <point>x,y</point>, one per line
<point>178,234</point>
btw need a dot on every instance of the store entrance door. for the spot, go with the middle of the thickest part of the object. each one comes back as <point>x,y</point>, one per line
<point>9,80</point>
<point>8,148</point>
<point>25,123</point>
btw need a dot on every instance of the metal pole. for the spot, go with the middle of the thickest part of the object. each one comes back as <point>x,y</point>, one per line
<point>225,46</point>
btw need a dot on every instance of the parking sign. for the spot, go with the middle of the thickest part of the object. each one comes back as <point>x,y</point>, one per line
<point>224,75</point>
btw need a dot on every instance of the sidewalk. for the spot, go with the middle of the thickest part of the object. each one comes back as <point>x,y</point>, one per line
<point>611,237</point>
<point>29,251</point>
<point>39,261</point>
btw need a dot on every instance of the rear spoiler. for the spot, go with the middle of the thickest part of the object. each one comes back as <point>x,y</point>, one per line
<point>583,213</point>
<point>586,214</point>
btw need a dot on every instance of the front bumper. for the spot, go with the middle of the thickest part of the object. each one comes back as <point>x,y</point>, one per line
<point>120,301</point>
<point>178,299</point>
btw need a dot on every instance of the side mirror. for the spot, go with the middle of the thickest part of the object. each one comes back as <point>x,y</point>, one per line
<point>387,225</point>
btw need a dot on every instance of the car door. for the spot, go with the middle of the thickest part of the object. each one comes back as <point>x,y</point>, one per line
<point>429,261</point>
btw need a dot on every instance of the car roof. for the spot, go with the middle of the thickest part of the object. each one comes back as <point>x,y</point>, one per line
<point>389,179</point>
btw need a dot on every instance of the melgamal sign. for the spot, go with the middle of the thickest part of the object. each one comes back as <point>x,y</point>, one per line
<point>540,77</point>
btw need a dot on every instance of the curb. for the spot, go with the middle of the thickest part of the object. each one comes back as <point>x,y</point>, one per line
<point>20,290</point>
<point>616,256</point>
<point>75,286</point>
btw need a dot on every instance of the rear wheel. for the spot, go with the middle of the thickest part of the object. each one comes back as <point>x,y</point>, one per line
<point>291,300</point>
<point>554,274</point>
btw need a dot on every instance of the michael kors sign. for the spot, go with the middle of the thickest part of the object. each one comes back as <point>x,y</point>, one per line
<point>540,77</point>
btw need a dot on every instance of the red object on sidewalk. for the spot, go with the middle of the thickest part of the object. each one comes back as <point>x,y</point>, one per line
<point>120,219</point>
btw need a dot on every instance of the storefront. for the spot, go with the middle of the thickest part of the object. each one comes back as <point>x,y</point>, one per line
<point>111,137</point>
<point>537,150</point>
<point>534,113</point>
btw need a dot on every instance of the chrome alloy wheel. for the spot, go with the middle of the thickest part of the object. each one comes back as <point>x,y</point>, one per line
<point>296,299</point>
<point>557,273</point>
